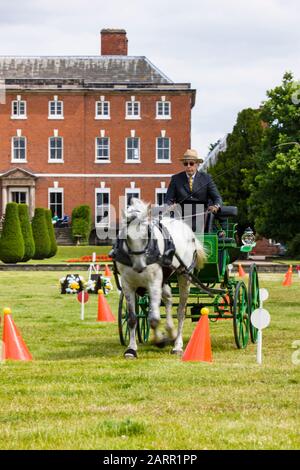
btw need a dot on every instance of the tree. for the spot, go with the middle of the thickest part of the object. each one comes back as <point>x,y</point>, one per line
<point>81,222</point>
<point>29,246</point>
<point>230,171</point>
<point>53,244</point>
<point>40,234</point>
<point>275,188</point>
<point>11,243</point>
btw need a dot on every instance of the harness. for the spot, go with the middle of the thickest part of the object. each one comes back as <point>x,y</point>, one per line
<point>153,255</point>
<point>151,250</point>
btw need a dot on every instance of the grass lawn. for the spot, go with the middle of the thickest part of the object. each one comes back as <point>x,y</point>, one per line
<point>79,392</point>
<point>64,253</point>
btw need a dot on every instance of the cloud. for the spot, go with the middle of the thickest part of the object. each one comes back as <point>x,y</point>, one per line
<point>231,51</point>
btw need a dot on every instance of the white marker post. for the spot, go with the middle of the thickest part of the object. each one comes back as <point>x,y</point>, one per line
<point>82,297</point>
<point>230,268</point>
<point>260,319</point>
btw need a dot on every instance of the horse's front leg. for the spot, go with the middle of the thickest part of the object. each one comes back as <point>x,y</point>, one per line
<point>167,300</point>
<point>155,291</point>
<point>131,351</point>
<point>184,289</point>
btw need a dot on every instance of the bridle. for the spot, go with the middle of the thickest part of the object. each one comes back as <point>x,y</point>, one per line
<point>139,252</point>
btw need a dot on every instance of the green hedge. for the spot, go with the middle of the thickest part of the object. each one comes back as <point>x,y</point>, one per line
<point>26,232</point>
<point>53,244</point>
<point>40,234</point>
<point>11,243</point>
<point>81,223</point>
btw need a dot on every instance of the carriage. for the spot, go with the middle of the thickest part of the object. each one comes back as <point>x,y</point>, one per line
<point>212,287</point>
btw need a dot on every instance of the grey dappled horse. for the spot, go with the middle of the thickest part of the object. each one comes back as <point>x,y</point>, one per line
<point>138,229</point>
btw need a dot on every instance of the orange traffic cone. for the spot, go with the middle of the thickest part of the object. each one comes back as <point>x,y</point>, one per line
<point>241,271</point>
<point>104,311</point>
<point>14,346</point>
<point>288,277</point>
<point>107,271</point>
<point>199,346</point>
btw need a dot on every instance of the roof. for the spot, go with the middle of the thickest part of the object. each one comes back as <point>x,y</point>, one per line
<point>94,69</point>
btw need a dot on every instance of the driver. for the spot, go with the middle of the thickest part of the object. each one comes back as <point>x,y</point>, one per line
<point>192,187</point>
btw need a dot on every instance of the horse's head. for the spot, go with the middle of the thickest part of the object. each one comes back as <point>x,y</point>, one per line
<point>137,221</point>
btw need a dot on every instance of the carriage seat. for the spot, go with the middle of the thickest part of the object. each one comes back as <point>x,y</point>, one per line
<point>224,213</point>
<point>228,211</point>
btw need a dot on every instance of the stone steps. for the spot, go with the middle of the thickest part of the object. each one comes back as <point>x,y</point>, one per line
<point>63,236</point>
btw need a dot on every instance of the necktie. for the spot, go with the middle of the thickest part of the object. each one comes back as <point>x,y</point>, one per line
<point>191,183</point>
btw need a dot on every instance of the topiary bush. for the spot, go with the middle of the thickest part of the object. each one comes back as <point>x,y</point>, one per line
<point>29,246</point>
<point>53,244</point>
<point>40,234</point>
<point>11,242</point>
<point>81,223</point>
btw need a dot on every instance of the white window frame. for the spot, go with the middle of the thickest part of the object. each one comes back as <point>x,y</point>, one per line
<point>55,116</point>
<point>18,160</point>
<point>18,116</point>
<point>102,191</point>
<point>157,160</point>
<point>139,148</point>
<point>132,190</point>
<point>97,160</point>
<point>133,116</point>
<point>61,191</point>
<point>20,189</point>
<point>55,160</point>
<point>157,192</point>
<point>163,116</point>
<point>102,116</point>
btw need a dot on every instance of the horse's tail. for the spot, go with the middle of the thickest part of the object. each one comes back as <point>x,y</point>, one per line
<point>201,255</point>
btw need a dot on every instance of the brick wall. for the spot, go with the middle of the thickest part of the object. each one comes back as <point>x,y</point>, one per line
<point>79,128</point>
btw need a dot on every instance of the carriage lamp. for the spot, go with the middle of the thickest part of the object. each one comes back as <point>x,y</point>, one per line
<point>248,240</point>
<point>248,237</point>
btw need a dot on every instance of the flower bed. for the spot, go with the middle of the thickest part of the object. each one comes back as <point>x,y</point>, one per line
<point>89,259</point>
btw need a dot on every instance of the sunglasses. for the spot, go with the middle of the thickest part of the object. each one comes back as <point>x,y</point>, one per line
<point>189,163</point>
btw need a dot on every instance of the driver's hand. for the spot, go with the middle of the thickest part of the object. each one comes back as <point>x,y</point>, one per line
<point>213,209</point>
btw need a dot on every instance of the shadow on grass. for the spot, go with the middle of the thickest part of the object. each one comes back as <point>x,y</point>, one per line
<point>83,350</point>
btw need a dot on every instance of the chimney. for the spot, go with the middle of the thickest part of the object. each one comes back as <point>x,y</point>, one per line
<point>113,42</point>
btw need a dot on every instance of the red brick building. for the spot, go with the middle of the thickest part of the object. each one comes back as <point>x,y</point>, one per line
<point>86,130</point>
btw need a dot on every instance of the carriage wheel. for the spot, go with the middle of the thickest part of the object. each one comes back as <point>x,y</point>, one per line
<point>123,321</point>
<point>141,310</point>
<point>241,316</point>
<point>253,298</point>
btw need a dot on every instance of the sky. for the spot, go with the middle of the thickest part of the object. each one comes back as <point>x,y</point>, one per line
<point>231,51</point>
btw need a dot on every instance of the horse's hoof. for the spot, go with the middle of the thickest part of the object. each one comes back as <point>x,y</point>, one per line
<point>130,354</point>
<point>177,352</point>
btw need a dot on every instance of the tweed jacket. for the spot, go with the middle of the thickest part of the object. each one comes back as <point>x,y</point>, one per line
<point>204,190</point>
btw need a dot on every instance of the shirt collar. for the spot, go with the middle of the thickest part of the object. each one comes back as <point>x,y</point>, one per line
<point>193,176</point>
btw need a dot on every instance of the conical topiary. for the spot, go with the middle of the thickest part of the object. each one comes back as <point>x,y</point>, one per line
<point>53,244</point>
<point>40,234</point>
<point>11,243</point>
<point>26,232</point>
